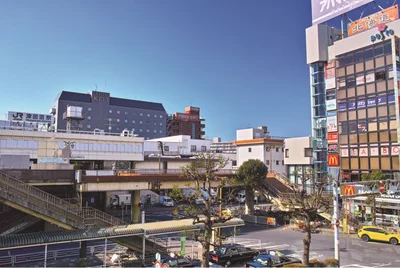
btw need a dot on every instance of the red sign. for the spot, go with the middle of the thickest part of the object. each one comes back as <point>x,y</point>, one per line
<point>186,117</point>
<point>332,138</point>
<point>333,160</point>
<point>349,190</point>
<point>381,187</point>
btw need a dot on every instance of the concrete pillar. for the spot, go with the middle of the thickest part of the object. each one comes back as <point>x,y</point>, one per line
<point>82,254</point>
<point>135,200</point>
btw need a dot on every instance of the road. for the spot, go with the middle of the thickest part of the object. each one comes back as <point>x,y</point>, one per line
<point>353,251</point>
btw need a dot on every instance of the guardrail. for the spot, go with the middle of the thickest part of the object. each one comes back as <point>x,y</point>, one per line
<point>167,171</point>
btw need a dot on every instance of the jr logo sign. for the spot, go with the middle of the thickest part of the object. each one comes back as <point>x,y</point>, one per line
<point>384,32</point>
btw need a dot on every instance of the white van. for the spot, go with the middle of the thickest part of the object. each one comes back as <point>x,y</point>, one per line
<point>167,201</point>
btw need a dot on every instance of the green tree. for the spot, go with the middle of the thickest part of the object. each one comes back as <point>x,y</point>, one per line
<point>202,173</point>
<point>306,200</point>
<point>251,173</point>
<point>374,177</point>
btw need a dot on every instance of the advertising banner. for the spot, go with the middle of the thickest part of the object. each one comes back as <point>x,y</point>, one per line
<point>330,94</point>
<point>384,151</point>
<point>344,152</point>
<point>364,151</point>
<point>362,127</point>
<point>371,102</point>
<point>384,16</point>
<point>332,148</point>
<point>29,117</point>
<point>351,105</point>
<point>395,150</point>
<point>333,138</point>
<point>382,100</point>
<point>374,151</point>
<point>390,98</point>
<point>353,152</point>
<point>360,80</point>
<point>330,78</point>
<point>342,107</point>
<point>370,78</point>
<point>331,121</point>
<point>324,10</point>
<point>53,160</point>
<point>331,105</point>
<point>333,160</point>
<point>361,104</point>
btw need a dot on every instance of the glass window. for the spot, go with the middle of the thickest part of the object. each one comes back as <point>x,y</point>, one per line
<point>89,126</point>
<point>381,86</point>
<point>141,122</point>
<point>352,115</point>
<point>385,163</point>
<point>277,162</point>
<point>349,59</point>
<point>383,125</point>
<point>353,138</point>
<point>134,114</point>
<point>341,94</point>
<point>390,84</point>
<point>148,115</point>
<point>363,137</point>
<point>160,124</point>
<point>362,113</point>
<point>133,121</point>
<point>344,163</point>
<point>360,67</point>
<point>354,163</point>
<point>380,74</point>
<point>393,135</point>
<point>372,126</point>
<point>141,130</point>
<point>160,131</point>
<point>369,65</point>
<point>155,131</point>
<point>126,121</point>
<point>379,62</point>
<point>368,54</point>
<point>118,120</point>
<point>342,116</point>
<point>378,51</point>
<point>350,81</point>
<point>89,117</point>
<point>343,139</point>
<point>383,136</point>
<point>358,57</point>
<point>382,110</point>
<point>371,88</point>
<point>395,163</point>
<point>350,69</point>
<point>160,116</point>
<point>393,124</point>
<point>118,112</point>
<point>389,60</point>
<point>89,109</point>
<point>388,48</point>
<point>141,114</point>
<point>341,61</point>
<point>360,90</point>
<point>351,92</point>
<point>341,72</point>
<point>118,128</point>
<point>155,116</point>
<point>374,162</point>
<point>110,111</point>
<point>373,137</point>
<point>372,112</point>
<point>364,163</point>
<point>342,82</point>
<point>249,150</point>
<point>148,130</point>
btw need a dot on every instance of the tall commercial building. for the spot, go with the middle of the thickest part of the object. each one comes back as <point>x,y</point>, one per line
<point>101,112</point>
<point>188,123</point>
<point>354,74</point>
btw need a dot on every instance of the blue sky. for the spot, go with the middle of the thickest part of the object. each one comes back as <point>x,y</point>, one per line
<point>242,62</point>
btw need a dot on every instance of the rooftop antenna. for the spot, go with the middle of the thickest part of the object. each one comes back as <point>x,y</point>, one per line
<point>96,87</point>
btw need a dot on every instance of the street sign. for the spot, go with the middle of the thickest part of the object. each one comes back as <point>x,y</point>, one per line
<point>381,187</point>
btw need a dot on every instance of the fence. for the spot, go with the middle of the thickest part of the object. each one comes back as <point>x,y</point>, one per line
<point>268,221</point>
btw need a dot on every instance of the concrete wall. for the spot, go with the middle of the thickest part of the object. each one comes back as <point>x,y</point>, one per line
<point>36,176</point>
<point>243,154</point>
<point>14,161</point>
<point>295,148</point>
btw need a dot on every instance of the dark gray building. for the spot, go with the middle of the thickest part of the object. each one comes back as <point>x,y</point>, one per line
<point>105,113</point>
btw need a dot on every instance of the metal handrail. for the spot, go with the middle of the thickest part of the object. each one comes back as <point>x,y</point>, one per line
<point>168,171</point>
<point>44,199</point>
<point>281,175</point>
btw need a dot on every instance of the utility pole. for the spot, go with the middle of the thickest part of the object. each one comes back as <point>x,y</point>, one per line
<point>336,216</point>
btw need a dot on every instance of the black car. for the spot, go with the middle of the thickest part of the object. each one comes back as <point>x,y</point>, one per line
<point>268,260</point>
<point>232,253</point>
<point>180,262</point>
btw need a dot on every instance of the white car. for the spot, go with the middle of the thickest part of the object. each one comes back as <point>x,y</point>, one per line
<point>167,202</point>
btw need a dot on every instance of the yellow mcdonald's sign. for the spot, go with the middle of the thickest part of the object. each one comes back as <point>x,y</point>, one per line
<point>349,190</point>
<point>333,160</point>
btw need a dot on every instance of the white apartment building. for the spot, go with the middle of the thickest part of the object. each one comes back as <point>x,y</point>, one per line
<point>298,156</point>
<point>256,143</point>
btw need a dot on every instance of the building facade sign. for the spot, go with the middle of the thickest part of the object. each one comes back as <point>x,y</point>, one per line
<point>384,33</point>
<point>29,117</point>
<point>332,148</point>
<point>333,160</point>
<point>332,121</point>
<point>331,105</point>
<point>384,16</point>
<point>53,160</point>
<point>324,10</point>
<point>333,138</point>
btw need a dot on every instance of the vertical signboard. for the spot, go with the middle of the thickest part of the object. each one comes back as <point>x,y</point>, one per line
<point>324,10</point>
<point>330,75</point>
<point>331,121</point>
<point>333,160</point>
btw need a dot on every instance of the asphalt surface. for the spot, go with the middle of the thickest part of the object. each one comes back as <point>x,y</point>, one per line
<point>353,251</point>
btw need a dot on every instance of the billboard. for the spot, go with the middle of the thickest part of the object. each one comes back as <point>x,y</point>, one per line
<point>324,10</point>
<point>332,148</point>
<point>331,121</point>
<point>331,105</point>
<point>333,138</point>
<point>30,117</point>
<point>186,117</point>
<point>349,190</point>
<point>384,16</point>
<point>330,75</point>
<point>333,160</point>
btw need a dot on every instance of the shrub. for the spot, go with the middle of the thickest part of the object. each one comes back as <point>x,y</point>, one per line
<point>299,265</point>
<point>316,263</point>
<point>332,262</point>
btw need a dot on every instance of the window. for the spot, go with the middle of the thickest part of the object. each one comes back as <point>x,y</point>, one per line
<point>283,149</point>
<point>89,109</point>
<point>203,148</point>
<point>166,148</point>
<point>155,123</point>
<point>89,117</point>
<point>286,153</point>
<point>283,162</point>
<point>277,149</point>
<point>160,116</point>
<point>117,128</point>
<point>148,115</point>
<point>126,113</point>
<point>118,112</point>
<point>160,124</point>
<point>141,130</point>
<point>277,162</point>
<point>155,131</point>
<point>148,130</point>
<point>126,121</point>
<point>134,114</point>
<point>141,114</point>
<point>110,111</point>
<point>155,116</point>
<point>308,152</point>
<point>193,148</point>
<point>267,162</point>
<point>141,122</point>
<point>160,131</point>
<point>118,120</point>
<point>133,121</point>
<point>380,75</point>
<point>249,150</point>
<point>89,126</point>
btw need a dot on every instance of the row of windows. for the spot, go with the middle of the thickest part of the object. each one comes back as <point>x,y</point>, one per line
<point>381,113</point>
<point>367,163</point>
<point>379,69</point>
<point>267,149</point>
<point>380,87</point>
<point>133,129</point>
<point>308,152</point>
<point>20,144</point>
<point>371,137</point>
<point>364,54</point>
<point>141,114</point>
<point>363,126</point>
<point>276,162</point>
<point>79,146</point>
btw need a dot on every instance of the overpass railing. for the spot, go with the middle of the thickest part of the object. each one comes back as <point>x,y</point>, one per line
<point>51,206</point>
<point>280,176</point>
<point>167,172</point>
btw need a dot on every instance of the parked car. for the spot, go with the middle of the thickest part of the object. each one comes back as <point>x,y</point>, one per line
<point>367,233</point>
<point>271,260</point>
<point>166,201</point>
<point>179,262</point>
<point>232,253</point>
